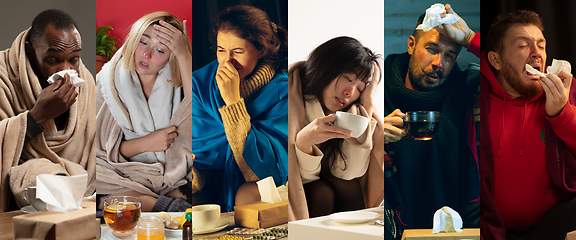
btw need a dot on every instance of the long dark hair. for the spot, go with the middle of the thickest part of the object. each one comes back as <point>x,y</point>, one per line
<point>254,25</point>
<point>327,62</point>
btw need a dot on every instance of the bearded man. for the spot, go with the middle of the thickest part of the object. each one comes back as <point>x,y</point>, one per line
<point>443,171</point>
<point>528,170</point>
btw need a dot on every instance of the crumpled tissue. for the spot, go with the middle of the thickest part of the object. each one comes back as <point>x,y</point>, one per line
<point>433,18</point>
<point>556,68</point>
<point>73,76</point>
<point>61,193</point>
<point>447,220</point>
<point>270,193</point>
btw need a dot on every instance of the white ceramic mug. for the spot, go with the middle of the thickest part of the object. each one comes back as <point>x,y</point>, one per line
<point>205,217</point>
<point>355,123</point>
<point>29,194</point>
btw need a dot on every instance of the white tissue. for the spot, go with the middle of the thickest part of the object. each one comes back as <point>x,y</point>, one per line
<point>283,192</point>
<point>61,193</point>
<point>533,70</point>
<point>73,76</point>
<point>269,193</point>
<point>447,220</point>
<point>558,66</point>
<point>433,18</point>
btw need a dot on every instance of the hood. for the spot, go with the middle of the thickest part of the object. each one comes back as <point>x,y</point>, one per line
<point>498,94</point>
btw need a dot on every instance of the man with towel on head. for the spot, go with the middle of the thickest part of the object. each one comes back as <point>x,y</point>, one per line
<point>424,176</point>
<point>45,128</point>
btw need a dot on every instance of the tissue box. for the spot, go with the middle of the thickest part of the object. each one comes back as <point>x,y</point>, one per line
<point>426,234</point>
<point>78,224</point>
<point>261,215</point>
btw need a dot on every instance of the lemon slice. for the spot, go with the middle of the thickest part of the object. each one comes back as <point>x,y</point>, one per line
<point>116,207</point>
<point>163,215</point>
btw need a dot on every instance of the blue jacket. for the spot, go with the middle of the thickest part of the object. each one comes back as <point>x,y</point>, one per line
<point>265,150</point>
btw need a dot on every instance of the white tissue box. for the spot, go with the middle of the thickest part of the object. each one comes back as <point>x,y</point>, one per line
<point>78,224</point>
<point>426,234</point>
<point>261,215</point>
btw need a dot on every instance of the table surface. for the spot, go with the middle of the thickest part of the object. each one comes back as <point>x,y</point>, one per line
<point>6,231</point>
<point>327,228</point>
<point>468,233</point>
<point>228,217</point>
<point>224,217</point>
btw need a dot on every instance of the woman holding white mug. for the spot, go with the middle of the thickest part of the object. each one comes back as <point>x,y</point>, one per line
<point>339,75</point>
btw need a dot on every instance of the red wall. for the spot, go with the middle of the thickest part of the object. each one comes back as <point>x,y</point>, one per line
<point>122,14</point>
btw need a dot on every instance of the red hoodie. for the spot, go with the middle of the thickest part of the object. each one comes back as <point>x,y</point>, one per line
<point>523,189</point>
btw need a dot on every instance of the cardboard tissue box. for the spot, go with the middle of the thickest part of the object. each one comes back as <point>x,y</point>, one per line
<point>571,235</point>
<point>426,234</point>
<point>261,214</point>
<point>271,210</point>
<point>77,224</point>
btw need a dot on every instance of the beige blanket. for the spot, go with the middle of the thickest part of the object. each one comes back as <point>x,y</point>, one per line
<point>69,151</point>
<point>373,180</point>
<point>115,174</point>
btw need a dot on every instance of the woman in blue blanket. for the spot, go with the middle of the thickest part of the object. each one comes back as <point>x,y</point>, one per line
<point>240,105</point>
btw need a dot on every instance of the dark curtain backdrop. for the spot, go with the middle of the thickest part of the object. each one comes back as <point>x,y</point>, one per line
<point>204,13</point>
<point>559,18</point>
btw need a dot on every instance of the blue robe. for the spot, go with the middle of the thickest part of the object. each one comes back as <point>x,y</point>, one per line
<point>265,150</point>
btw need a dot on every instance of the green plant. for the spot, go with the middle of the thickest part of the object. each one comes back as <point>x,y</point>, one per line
<point>105,44</point>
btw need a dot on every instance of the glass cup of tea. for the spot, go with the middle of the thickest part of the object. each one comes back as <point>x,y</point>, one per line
<point>422,125</point>
<point>121,213</point>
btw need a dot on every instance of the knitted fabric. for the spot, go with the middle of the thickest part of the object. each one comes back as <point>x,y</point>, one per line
<point>237,121</point>
<point>438,172</point>
<point>263,144</point>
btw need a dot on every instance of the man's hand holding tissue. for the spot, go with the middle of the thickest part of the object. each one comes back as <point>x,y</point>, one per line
<point>459,31</point>
<point>54,100</point>
<point>557,90</point>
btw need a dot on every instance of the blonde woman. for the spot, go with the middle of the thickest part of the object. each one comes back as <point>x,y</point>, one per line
<point>144,113</point>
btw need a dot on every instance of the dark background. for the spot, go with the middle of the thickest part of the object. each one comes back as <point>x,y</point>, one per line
<point>401,17</point>
<point>17,16</point>
<point>558,17</point>
<point>204,13</point>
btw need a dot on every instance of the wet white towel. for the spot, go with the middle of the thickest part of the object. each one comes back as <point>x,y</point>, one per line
<point>433,18</point>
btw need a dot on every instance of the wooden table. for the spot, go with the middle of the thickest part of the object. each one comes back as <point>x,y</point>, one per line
<point>6,231</point>
<point>226,217</point>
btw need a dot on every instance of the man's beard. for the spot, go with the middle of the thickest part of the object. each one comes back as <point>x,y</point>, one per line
<point>516,82</point>
<point>417,77</point>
